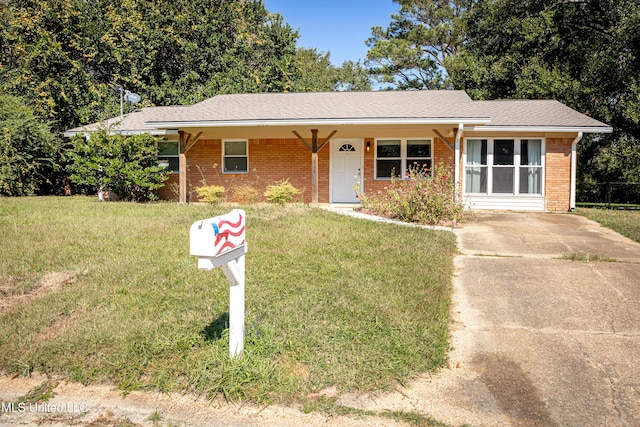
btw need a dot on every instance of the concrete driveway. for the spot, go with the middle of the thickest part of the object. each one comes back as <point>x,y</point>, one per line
<point>537,340</point>
<point>552,341</point>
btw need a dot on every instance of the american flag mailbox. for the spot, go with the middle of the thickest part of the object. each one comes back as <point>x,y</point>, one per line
<point>220,242</point>
<point>215,241</point>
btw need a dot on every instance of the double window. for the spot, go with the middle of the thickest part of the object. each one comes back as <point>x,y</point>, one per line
<point>504,166</point>
<point>235,158</point>
<point>397,157</point>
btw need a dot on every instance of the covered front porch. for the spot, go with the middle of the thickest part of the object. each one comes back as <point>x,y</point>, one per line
<point>330,163</point>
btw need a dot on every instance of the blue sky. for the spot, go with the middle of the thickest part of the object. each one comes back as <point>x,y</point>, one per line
<point>340,27</point>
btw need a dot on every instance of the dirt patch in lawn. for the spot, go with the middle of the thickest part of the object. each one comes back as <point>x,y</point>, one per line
<point>103,405</point>
<point>15,291</point>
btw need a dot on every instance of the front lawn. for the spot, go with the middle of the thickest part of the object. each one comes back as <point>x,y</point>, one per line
<point>107,292</point>
<point>625,222</point>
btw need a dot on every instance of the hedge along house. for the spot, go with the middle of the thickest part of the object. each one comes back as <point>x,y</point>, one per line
<point>515,154</point>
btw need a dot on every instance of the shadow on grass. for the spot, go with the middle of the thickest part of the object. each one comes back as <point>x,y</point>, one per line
<point>213,331</point>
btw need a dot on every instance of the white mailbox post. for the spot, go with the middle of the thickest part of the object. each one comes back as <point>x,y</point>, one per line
<point>220,242</point>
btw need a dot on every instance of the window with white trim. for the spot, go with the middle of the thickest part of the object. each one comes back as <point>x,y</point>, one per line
<point>531,166</point>
<point>399,156</point>
<point>168,155</point>
<point>476,169</point>
<point>504,166</point>
<point>235,157</point>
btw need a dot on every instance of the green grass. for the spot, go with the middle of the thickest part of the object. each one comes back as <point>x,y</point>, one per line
<point>331,408</point>
<point>587,257</point>
<point>621,206</point>
<point>330,300</point>
<point>41,393</point>
<point>625,222</point>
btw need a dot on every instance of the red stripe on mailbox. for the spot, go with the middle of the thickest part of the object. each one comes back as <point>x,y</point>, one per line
<point>233,225</point>
<point>228,233</point>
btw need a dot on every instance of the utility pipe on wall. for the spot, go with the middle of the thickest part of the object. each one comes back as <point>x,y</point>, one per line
<point>574,169</point>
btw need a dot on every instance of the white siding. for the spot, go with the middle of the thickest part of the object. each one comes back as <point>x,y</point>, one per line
<point>513,203</point>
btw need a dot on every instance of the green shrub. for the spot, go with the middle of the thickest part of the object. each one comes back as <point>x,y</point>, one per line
<point>210,194</point>
<point>419,199</point>
<point>126,165</point>
<point>27,150</point>
<point>246,194</point>
<point>281,192</point>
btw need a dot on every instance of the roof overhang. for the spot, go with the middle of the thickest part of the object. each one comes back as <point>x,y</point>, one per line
<point>319,122</point>
<point>540,129</point>
<point>154,132</point>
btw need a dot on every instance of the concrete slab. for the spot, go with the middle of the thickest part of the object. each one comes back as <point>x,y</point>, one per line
<point>543,235</point>
<point>549,341</point>
<point>553,294</point>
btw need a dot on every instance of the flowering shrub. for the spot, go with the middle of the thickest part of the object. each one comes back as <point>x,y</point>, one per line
<point>210,194</point>
<point>281,192</point>
<point>246,194</point>
<point>420,199</point>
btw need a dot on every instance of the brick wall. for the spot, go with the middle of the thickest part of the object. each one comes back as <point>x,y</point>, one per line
<point>558,174</point>
<point>270,160</point>
<point>171,188</point>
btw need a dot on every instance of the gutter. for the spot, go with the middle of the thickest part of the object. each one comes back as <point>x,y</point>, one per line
<point>154,132</point>
<point>316,122</point>
<point>574,170</point>
<point>456,160</point>
<point>548,129</point>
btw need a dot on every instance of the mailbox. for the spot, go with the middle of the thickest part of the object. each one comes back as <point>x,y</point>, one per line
<point>212,237</point>
<point>220,242</point>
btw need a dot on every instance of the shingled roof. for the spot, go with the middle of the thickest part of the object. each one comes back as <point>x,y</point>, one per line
<point>130,123</point>
<point>381,107</point>
<point>534,113</point>
<point>335,105</point>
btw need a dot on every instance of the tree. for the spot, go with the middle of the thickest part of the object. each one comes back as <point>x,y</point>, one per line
<point>70,56</point>
<point>315,71</point>
<point>352,76</point>
<point>126,165</point>
<point>27,149</point>
<point>584,53</point>
<point>318,74</point>
<point>46,57</point>
<point>411,53</point>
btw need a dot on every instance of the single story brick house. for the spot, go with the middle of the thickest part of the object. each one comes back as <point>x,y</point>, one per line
<point>506,154</point>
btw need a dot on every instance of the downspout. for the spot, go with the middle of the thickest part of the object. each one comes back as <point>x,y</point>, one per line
<point>456,159</point>
<point>574,170</point>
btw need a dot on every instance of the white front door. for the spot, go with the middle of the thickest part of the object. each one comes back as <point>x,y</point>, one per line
<point>346,170</point>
